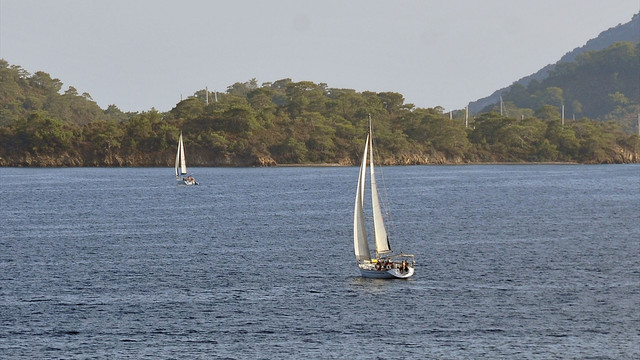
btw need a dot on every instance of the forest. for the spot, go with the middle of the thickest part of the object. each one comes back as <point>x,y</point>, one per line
<point>287,122</point>
<point>603,85</point>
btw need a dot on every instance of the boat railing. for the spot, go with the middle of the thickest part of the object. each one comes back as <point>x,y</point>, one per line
<point>408,257</point>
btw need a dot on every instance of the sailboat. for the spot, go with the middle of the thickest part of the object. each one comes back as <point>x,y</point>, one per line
<point>181,166</point>
<point>385,265</point>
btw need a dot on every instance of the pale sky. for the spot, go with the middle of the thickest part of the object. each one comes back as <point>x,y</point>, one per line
<point>143,54</point>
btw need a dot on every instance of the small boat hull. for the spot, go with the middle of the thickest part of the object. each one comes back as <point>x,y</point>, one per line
<point>184,181</point>
<point>373,273</point>
<point>401,274</point>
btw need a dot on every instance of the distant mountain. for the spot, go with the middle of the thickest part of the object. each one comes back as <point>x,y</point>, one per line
<point>629,32</point>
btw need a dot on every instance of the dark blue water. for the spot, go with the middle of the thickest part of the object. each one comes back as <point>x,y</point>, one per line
<point>512,262</point>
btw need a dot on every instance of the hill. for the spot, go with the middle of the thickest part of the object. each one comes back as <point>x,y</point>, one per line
<point>22,93</point>
<point>283,122</point>
<point>628,32</point>
<point>603,85</point>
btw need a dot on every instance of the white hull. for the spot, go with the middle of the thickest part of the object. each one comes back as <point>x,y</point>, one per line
<point>373,273</point>
<point>184,181</point>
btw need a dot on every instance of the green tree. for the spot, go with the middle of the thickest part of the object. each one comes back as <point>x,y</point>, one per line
<point>242,89</point>
<point>291,151</point>
<point>240,120</point>
<point>564,139</point>
<point>449,138</point>
<point>548,113</point>
<point>40,134</point>
<point>190,108</point>
<point>305,96</point>
<point>104,137</point>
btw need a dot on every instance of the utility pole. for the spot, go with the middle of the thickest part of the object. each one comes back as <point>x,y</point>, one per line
<point>466,117</point>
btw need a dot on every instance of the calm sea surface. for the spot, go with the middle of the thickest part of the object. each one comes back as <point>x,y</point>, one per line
<point>513,261</point>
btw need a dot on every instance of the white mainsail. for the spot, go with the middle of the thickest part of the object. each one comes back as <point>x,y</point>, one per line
<point>180,160</point>
<point>381,238</point>
<point>360,245</point>
<point>178,156</point>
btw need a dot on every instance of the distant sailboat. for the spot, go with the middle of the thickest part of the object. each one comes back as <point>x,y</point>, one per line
<point>384,265</point>
<point>181,166</point>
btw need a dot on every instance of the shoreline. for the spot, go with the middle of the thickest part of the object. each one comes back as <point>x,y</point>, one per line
<point>325,165</point>
<point>446,164</point>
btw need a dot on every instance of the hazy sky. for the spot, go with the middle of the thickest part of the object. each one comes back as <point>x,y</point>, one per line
<point>139,54</point>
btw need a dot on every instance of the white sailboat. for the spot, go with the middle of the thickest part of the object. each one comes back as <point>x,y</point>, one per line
<point>181,166</point>
<point>385,265</point>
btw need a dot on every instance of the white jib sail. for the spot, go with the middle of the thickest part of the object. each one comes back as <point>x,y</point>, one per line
<point>183,163</point>
<point>360,245</point>
<point>178,154</point>
<point>381,238</point>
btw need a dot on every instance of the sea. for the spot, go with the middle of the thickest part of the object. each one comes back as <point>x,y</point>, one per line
<point>512,262</point>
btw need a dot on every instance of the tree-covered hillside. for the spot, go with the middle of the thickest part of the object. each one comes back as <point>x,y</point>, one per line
<point>603,85</point>
<point>21,94</point>
<point>283,122</point>
<point>628,32</point>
